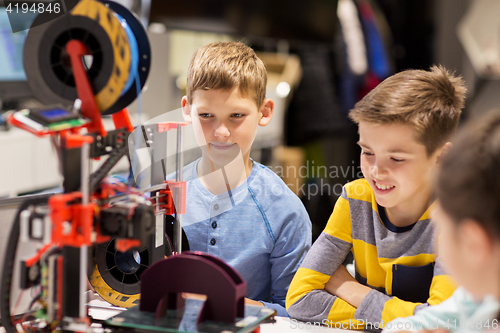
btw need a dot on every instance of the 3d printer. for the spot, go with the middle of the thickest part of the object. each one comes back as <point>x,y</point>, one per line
<point>91,61</point>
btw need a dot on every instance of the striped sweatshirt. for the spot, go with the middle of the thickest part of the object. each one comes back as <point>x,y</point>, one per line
<point>398,263</point>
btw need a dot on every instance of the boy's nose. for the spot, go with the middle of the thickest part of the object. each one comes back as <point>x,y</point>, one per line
<point>221,131</point>
<point>374,172</point>
<point>377,169</point>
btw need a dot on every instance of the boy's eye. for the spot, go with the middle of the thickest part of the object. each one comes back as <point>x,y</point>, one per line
<point>397,159</point>
<point>237,115</point>
<point>204,115</point>
<point>367,153</point>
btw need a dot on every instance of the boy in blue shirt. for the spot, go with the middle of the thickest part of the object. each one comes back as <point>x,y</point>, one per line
<point>238,209</point>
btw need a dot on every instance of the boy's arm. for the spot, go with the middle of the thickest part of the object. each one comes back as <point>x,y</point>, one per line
<point>307,298</point>
<point>445,315</point>
<point>291,245</point>
<point>345,286</point>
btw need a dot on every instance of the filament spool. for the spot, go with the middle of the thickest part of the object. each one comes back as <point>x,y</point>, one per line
<point>115,53</point>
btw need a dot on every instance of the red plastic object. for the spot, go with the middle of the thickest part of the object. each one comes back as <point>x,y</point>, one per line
<point>76,51</point>
<point>29,262</point>
<point>14,122</point>
<point>123,245</point>
<point>76,141</point>
<point>166,201</point>
<point>197,273</point>
<point>170,125</point>
<point>73,224</point>
<point>78,232</point>
<point>121,119</point>
<point>181,186</point>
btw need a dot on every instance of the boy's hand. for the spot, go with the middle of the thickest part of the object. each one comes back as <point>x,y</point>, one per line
<point>249,301</point>
<point>342,284</point>
<point>194,296</point>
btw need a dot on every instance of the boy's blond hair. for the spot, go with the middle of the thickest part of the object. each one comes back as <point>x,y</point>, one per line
<point>225,66</point>
<point>429,101</point>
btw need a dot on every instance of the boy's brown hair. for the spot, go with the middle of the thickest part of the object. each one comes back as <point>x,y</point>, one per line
<point>225,66</point>
<point>468,181</point>
<point>429,101</point>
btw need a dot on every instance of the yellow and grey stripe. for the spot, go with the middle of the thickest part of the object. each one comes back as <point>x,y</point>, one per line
<point>356,225</point>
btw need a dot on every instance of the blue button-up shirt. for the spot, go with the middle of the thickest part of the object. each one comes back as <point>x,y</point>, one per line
<point>260,228</point>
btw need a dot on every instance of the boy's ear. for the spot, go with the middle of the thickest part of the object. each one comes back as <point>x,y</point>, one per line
<point>443,151</point>
<point>186,110</point>
<point>477,241</point>
<point>266,112</point>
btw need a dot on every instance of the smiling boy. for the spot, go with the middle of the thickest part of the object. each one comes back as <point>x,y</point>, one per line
<point>238,209</point>
<point>468,217</point>
<point>404,126</point>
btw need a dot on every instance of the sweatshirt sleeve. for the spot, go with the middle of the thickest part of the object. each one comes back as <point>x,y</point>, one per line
<point>378,308</point>
<point>291,246</point>
<point>461,312</point>
<point>306,298</point>
<point>308,301</point>
<point>430,317</point>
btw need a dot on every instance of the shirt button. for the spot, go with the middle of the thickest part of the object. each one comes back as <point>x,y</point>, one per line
<point>212,241</point>
<point>216,207</point>
<point>214,224</point>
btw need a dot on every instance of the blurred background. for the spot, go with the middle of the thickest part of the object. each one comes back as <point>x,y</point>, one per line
<point>322,56</point>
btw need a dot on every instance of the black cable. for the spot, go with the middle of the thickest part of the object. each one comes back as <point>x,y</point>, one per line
<point>9,260</point>
<point>114,157</point>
